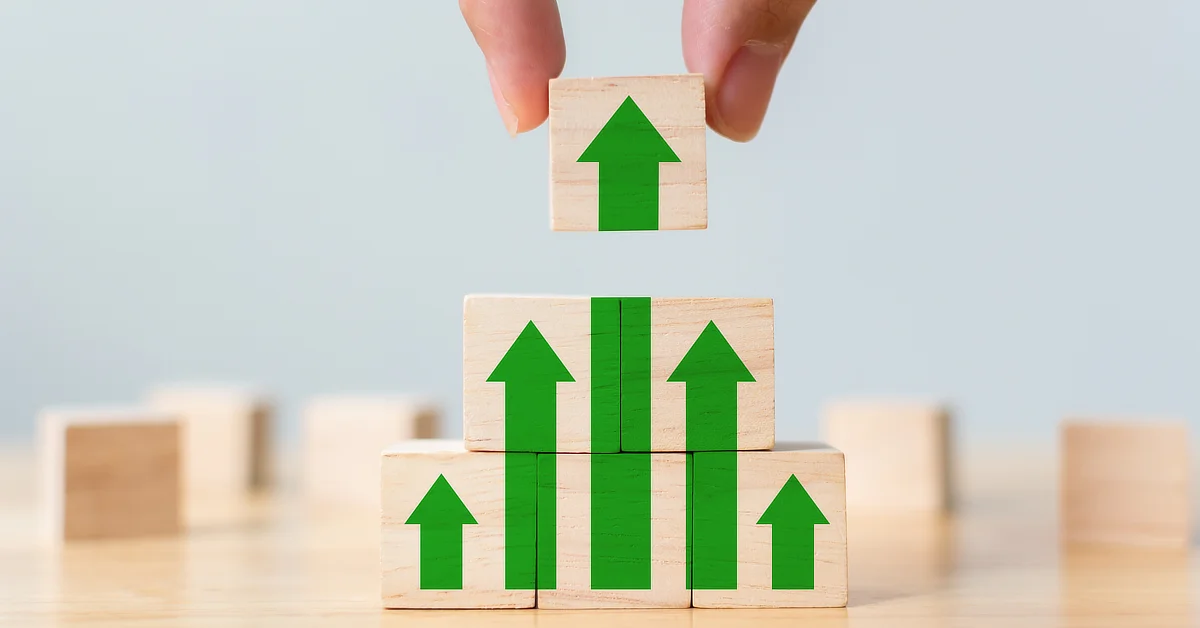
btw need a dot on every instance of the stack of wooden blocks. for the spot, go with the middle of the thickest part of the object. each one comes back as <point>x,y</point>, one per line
<point>618,452</point>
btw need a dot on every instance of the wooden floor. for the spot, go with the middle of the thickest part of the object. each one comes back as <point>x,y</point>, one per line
<point>276,561</point>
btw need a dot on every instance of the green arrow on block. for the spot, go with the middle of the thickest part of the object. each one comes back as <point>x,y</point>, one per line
<point>530,371</point>
<point>711,369</point>
<point>793,517</point>
<point>441,515</point>
<point>628,150</point>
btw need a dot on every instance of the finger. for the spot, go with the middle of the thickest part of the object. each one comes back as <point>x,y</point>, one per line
<point>739,46</point>
<point>522,42</point>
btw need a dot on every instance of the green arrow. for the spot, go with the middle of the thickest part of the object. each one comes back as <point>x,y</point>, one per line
<point>441,515</point>
<point>530,371</point>
<point>711,369</point>
<point>793,517</point>
<point>628,150</point>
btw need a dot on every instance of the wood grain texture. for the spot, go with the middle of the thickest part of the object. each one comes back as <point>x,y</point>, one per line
<point>898,454</point>
<point>225,433</point>
<point>344,435</point>
<point>1125,483</point>
<point>279,562</point>
<point>490,325</point>
<point>575,518</point>
<point>749,327</point>
<point>579,108</point>
<point>109,473</point>
<point>761,474</point>
<point>409,470</point>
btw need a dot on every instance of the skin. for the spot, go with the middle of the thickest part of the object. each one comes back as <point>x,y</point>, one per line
<point>738,45</point>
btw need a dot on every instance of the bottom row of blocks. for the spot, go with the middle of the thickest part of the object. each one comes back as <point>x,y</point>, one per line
<point>517,530</point>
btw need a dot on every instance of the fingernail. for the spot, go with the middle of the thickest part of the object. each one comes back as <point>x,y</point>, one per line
<point>506,111</point>
<point>746,88</point>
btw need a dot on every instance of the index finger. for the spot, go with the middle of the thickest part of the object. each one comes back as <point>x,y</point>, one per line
<point>522,42</point>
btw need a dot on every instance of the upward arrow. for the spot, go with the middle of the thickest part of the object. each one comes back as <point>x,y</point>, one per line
<point>628,150</point>
<point>530,371</point>
<point>793,517</point>
<point>441,515</point>
<point>711,370</point>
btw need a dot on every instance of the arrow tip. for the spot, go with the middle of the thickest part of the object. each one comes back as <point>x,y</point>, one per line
<point>441,505</point>
<point>793,504</point>
<point>711,357</point>
<point>629,136</point>
<point>530,358</point>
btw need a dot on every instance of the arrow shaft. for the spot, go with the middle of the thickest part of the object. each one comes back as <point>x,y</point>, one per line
<point>628,195</point>
<point>793,557</point>
<point>635,374</point>
<point>712,514</point>
<point>530,415</point>
<point>620,534</point>
<point>442,557</point>
<point>711,419</point>
<point>606,374</point>
<point>520,520</point>
<point>547,521</point>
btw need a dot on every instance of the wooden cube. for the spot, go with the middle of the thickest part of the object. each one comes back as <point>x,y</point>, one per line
<point>458,528</point>
<point>769,528</point>
<point>344,435</point>
<point>225,433</point>
<point>619,531</point>
<point>541,374</point>
<point>712,374</point>
<point>1125,483</point>
<point>898,454</point>
<point>627,154</point>
<point>109,472</point>
<point>625,373</point>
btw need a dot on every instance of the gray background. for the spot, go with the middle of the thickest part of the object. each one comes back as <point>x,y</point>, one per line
<point>991,202</point>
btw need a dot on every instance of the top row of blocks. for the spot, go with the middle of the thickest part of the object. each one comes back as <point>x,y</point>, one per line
<point>627,154</point>
<point>608,374</point>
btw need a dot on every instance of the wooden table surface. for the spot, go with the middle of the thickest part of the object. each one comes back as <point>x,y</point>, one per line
<point>277,561</point>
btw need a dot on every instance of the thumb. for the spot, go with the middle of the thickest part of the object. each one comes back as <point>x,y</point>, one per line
<point>739,46</point>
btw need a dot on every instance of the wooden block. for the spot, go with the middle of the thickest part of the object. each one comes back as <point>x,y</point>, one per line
<point>627,154</point>
<point>516,350</point>
<point>109,472</point>
<point>1124,483</point>
<point>458,527</point>
<point>721,349</point>
<point>344,435</point>
<point>898,454</point>
<point>786,546</point>
<point>225,433</point>
<point>619,537</point>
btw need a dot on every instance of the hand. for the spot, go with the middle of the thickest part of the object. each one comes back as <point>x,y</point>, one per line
<point>738,45</point>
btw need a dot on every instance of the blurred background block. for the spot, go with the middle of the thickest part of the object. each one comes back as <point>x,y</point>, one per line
<point>345,434</point>
<point>225,433</point>
<point>1125,483</point>
<point>898,453</point>
<point>109,472</point>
